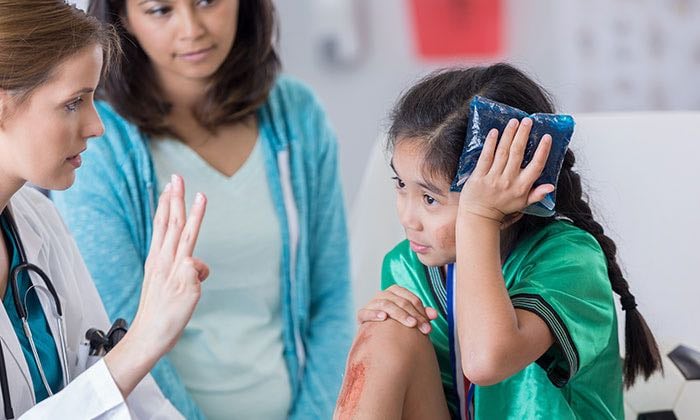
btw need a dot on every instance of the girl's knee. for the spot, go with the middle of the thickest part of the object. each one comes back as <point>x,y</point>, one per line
<point>388,343</point>
<point>385,359</point>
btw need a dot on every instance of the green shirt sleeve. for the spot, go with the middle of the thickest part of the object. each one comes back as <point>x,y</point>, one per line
<point>402,267</point>
<point>399,268</point>
<point>561,275</point>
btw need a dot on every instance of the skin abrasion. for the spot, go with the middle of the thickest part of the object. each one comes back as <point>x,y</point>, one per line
<point>352,390</point>
<point>355,375</point>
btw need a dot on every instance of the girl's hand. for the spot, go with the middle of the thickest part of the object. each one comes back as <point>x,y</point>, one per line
<point>401,305</point>
<point>171,288</point>
<point>499,186</point>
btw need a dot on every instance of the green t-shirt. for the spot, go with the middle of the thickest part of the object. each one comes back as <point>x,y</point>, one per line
<point>559,273</point>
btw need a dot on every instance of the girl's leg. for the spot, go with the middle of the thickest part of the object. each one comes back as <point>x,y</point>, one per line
<point>392,373</point>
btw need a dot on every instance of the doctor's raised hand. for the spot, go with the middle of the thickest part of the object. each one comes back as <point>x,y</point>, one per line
<point>49,303</point>
<point>171,288</point>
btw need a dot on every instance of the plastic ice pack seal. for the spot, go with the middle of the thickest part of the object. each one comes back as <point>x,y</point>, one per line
<point>485,114</point>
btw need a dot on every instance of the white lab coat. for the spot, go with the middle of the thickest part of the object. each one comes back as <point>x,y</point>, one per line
<point>92,393</point>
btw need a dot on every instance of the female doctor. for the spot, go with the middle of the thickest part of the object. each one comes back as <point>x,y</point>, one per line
<point>51,57</point>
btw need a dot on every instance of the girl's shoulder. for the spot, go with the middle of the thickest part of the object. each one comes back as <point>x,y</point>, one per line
<point>561,233</point>
<point>558,242</point>
<point>401,266</point>
<point>401,253</point>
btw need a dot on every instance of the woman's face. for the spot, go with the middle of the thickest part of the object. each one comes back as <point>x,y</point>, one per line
<point>184,39</point>
<point>41,139</point>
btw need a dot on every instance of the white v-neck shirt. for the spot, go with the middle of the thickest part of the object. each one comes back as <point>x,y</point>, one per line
<point>230,355</point>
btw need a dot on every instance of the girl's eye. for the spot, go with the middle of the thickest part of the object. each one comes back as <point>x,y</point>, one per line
<point>398,182</point>
<point>158,11</point>
<point>204,2</point>
<point>74,105</point>
<point>429,200</point>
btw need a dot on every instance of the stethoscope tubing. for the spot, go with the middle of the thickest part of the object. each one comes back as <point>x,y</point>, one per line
<point>22,312</point>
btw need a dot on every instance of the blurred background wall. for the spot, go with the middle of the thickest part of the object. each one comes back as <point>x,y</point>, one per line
<point>592,55</point>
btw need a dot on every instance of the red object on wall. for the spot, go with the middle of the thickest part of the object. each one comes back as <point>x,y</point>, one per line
<point>457,28</point>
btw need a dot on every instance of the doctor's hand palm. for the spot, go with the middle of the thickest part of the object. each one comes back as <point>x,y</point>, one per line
<point>172,280</point>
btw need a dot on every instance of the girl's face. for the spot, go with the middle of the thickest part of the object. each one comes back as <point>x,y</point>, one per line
<point>427,209</point>
<point>41,139</point>
<point>184,39</point>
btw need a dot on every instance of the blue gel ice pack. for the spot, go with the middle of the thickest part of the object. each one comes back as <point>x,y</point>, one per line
<point>485,114</point>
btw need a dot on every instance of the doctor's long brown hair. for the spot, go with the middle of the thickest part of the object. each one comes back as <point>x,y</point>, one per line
<point>36,36</point>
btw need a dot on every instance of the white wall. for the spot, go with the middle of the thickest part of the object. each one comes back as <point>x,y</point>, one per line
<point>641,171</point>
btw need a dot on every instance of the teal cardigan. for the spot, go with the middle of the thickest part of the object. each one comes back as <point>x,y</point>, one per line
<point>110,207</point>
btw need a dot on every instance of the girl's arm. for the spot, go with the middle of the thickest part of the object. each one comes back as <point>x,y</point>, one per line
<point>496,339</point>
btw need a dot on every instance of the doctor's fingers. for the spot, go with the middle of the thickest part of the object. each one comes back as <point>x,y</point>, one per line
<point>176,220</point>
<point>160,225</point>
<point>189,235</point>
<point>175,301</point>
<point>201,267</point>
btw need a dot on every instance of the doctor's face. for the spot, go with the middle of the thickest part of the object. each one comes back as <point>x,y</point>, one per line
<point>41,139</point>
<point>426,207</point>
<point>185,40</point>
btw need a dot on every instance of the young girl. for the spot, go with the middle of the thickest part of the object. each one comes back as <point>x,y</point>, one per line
<point>533,332</point>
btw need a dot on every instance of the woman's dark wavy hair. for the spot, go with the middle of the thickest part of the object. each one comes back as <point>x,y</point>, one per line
<point>435,112</point>
<point>240,86</point>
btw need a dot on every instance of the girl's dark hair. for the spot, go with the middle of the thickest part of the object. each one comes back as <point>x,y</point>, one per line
<point>240,86</point>
<point>435,112</point>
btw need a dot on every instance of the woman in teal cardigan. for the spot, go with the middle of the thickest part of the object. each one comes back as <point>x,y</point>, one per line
<point>263,148</point>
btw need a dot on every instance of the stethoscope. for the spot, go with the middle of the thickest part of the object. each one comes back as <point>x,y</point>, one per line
<point>20,306</point>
